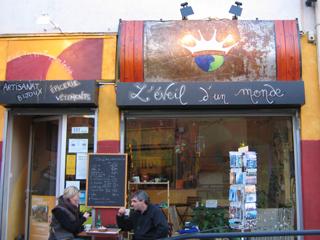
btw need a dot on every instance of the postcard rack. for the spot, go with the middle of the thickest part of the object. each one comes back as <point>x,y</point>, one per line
<point>242,192</point>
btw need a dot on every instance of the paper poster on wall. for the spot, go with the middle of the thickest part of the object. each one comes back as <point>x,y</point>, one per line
<point>41,207</point>
<point>79,130</point>
<point>81,170</point>
<point>73,183</point>
<point>211,203</point>
<point>82,197</point>
<point>78,145</point>
<point>71,165</point>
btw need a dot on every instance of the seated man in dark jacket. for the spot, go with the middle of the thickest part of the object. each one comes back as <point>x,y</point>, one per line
<point>147,221</point>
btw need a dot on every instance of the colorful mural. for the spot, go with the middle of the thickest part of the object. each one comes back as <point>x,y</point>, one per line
<point>214,50</point>
<point>55,59</point>
<point>209,50</point>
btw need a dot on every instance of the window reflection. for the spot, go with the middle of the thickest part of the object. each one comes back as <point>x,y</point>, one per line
<point>193,154</point>
<point>80,131</point>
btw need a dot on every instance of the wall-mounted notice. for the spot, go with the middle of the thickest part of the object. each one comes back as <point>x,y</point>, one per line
<point>78,145</point>
<point>79,130</point>
<point>81,170</point>
<point>71,165</point>
<point>73,183</point>
<point>107,180</point>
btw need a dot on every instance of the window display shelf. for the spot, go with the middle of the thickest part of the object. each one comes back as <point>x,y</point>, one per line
<point>150,183</point>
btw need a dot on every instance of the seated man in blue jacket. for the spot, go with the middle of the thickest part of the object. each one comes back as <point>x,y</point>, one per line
<point>147,221</point>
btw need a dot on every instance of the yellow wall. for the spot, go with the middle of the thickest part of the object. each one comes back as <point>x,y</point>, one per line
<point>1,123</point>
<point>109,116</point>
<point>11,48</point>
<point>3,58</point>
<point>19,171</point>
<point>310,112</point>
<point>109,58</point>
<point>108,121</point>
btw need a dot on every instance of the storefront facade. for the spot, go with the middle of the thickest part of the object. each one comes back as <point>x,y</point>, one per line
<point>177,110</point>
<point>50,96</point>
<point>202,89</point>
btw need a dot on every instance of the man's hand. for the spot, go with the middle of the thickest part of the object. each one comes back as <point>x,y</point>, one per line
<point>86,215</point>
<point>121,211</point>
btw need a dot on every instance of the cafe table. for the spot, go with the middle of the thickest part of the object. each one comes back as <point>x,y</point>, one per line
<point>108,234</point>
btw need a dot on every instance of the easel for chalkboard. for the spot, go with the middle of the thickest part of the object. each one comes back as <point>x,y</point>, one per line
<point>106,181</point>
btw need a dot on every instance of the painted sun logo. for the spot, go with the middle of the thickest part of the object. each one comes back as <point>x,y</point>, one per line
<point>208,55</point>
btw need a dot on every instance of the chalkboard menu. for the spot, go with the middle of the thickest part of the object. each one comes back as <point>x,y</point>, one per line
<point>107,179</point>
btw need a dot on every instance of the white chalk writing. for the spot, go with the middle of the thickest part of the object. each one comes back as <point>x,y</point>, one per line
<point>7,87</point>
<point>74,97</point>
<point>26,95</point>
<point>161,93</point>
<point>60,87</point>
<point>268,93</point>
<point>209,94</point>
<point>175,93</point>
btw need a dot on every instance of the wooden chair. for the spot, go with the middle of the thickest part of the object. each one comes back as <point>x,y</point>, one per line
<point>191,203</point>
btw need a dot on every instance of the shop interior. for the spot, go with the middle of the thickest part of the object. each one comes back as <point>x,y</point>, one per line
<point>192,155</point>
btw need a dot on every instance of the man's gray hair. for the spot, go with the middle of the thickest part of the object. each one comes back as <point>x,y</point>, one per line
<point>141,196</point>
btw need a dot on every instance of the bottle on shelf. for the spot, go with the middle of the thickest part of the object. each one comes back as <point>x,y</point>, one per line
<point>98,222</point>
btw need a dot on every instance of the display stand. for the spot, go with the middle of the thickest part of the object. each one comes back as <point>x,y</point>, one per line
<point>167,183</point>
<point>242,193</point>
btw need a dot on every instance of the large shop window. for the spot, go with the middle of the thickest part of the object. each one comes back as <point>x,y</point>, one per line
<point>193,154</point>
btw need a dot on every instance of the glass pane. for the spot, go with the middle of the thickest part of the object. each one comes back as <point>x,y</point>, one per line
<point>80,142</point>
<point>44,157</point>
<point>193,154</point>
<point>43,177</point>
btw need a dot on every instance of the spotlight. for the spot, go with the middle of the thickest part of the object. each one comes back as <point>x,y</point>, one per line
<point>309,3</point>
<point>185,10</point>
<point>236,10</point>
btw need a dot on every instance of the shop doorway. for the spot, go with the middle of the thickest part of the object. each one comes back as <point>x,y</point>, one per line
<point>30,183</point>
<point>41,158</point>
<point>42,179</point>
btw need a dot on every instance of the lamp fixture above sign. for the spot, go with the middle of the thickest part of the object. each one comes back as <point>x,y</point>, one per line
<point>309,2</point>
<point>236,10</point>
<point>44,19</point>
<point>185,10</point>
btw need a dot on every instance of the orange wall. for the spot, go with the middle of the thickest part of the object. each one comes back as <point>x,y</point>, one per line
<point>310,112</point>
<point>1,123</point>
<point>78,57</point>
<point>109,116</point>
<point>19,174</point>
<point>64,56</point>
<point>55,46</point>
<point>310,143</point>
<point>3,57</point>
